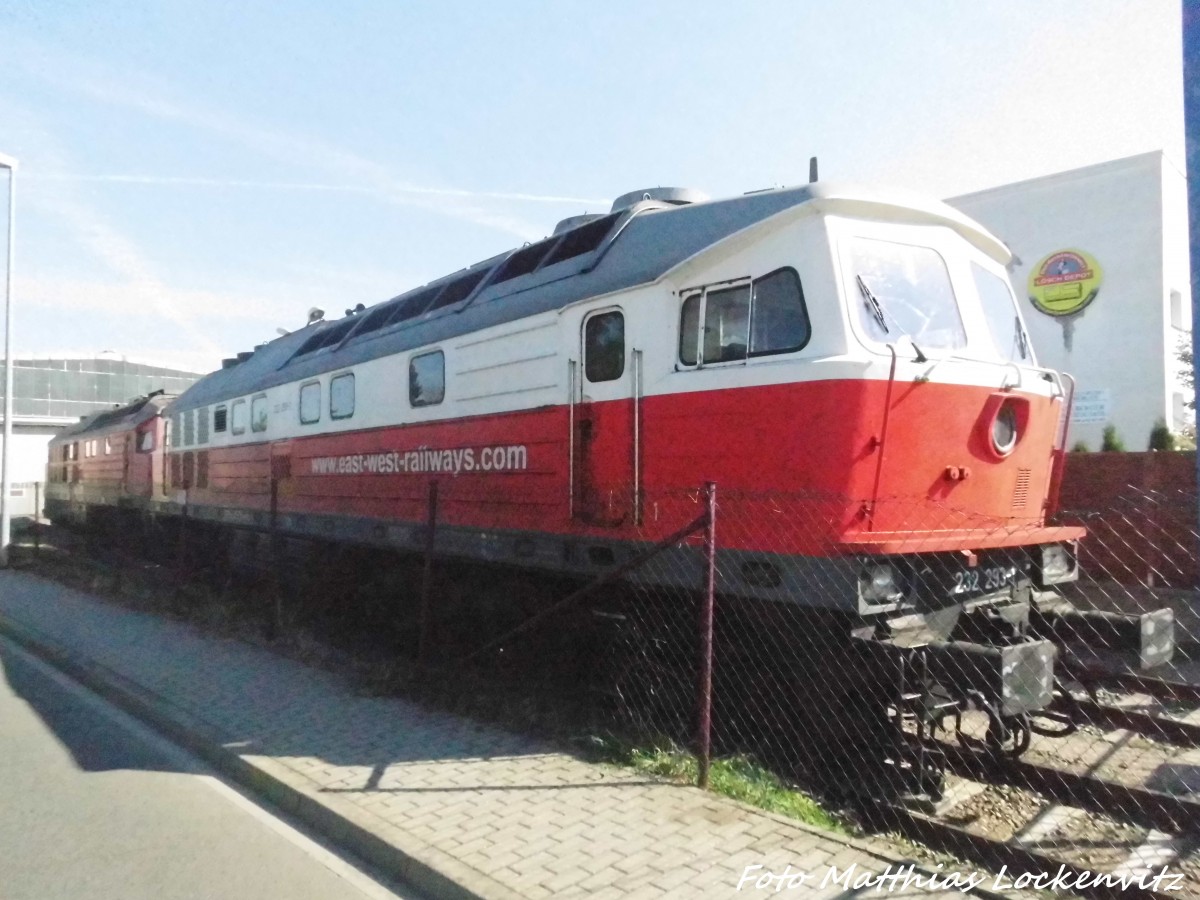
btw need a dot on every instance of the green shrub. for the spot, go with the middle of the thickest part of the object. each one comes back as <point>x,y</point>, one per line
<point>1161,437</point>
<point>1112,441</point>
<point>1081,447</point>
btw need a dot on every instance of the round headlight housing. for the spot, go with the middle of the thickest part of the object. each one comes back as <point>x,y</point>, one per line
<point>1004,429</point>
<point>879,583</point>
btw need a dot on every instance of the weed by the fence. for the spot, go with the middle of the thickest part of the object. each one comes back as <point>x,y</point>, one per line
<point>738,777</point>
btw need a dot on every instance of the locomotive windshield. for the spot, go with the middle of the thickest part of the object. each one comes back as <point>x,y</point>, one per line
<point>1000,310</point>
<point>905,291</point>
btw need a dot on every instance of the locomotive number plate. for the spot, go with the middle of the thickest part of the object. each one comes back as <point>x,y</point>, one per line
<point>983,579</point>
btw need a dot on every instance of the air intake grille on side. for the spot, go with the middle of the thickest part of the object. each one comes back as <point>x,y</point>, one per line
<point>1021,491</point>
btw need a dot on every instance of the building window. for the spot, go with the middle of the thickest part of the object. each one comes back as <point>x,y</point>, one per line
<point>732,323</point>
<point>427,379</point>
<point>341,396</point>
<point>310,403</point>
<point>258,413</point>
<point>220,418</point>
<point>237,417</point>
<point>1178,320</point>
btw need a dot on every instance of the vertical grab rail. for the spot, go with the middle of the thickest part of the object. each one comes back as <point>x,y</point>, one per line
<point>636,370</point>
<point>571,438</point>
<point>887,412</point>
<point>1059,461</point>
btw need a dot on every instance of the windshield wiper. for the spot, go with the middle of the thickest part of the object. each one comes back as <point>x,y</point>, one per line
<point>1022,338</point>
<point>873,303</point>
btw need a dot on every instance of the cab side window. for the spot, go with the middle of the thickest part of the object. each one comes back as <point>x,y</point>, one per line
<point>735,322</point>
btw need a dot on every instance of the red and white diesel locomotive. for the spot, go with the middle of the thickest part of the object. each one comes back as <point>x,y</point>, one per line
<point>860,349</point>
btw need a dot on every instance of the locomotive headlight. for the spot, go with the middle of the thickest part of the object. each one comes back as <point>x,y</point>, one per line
<point>879,583</point>
<point>1057,564</point>
<point>1004,429</point>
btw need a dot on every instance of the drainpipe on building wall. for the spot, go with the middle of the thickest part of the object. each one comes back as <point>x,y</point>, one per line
<point>1191,124</point>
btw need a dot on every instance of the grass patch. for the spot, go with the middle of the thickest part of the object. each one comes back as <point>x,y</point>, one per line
<point>738,777</point>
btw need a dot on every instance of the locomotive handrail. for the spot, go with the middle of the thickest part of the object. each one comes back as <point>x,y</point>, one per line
<point>887,411</point>
<point>1059,464</point>
<point>636,374</point>
<point>571,438</point>
<point>1004,385</point>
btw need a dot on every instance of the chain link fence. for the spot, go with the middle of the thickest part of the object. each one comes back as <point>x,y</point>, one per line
<point>992,688</point>
<point>1024,695</point>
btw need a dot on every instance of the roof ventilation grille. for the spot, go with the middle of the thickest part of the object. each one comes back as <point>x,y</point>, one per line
<point>575,221</point>
<point>676,196</point>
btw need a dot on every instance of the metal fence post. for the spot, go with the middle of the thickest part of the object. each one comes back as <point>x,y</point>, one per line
<point>427,576</point>
<point>276,561</point>
<point>37,519</point>
<point>704,686</point>
<point>181,565</point>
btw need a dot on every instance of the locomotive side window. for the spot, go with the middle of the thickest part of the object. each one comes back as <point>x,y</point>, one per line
<point>310,403</point>
<point>107,446</point>
<point>726,324</point>
<point>904,290</point>
<point>756,318</point>
<point>258,413</point>
<point>1000,310</point>
<point>604,347</point>
<point>220,418</point>
<point>145,442</point>
<point>778,318</point>
<point>341,396</point>
<point>237,417</point>
<point>427,379</point>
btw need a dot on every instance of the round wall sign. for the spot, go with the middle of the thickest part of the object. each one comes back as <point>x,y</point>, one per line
<point>1065,282</point>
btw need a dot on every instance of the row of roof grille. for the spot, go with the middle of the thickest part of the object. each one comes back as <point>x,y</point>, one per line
<point>530,258</point>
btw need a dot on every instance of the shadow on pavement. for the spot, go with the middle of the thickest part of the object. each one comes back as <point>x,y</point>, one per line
<point>96,742</point>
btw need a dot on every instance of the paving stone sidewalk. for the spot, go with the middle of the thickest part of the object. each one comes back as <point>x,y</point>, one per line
<point>462,809</point>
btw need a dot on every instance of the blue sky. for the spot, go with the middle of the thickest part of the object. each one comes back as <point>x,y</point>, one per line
<point>196,174</point>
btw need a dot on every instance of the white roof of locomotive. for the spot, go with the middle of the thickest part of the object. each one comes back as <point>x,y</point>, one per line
<point>650,240</point>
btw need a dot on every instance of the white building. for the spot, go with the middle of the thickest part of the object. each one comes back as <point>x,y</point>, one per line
<point>1102,267</point>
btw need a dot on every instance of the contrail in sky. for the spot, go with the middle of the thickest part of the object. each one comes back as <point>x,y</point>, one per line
<point>191,181</point>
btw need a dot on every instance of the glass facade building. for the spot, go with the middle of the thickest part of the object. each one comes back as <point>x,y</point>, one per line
<point>65,389</point>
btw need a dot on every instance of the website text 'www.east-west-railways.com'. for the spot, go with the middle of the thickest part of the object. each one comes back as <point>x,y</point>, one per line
<point>508,458</point>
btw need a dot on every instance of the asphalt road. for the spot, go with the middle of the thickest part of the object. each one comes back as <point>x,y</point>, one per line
<point>94,805</point>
